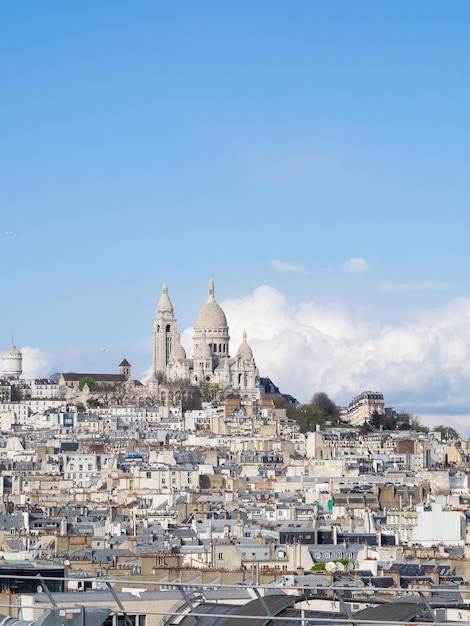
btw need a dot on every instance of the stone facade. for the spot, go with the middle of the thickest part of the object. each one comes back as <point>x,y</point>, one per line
<point>211,363</point>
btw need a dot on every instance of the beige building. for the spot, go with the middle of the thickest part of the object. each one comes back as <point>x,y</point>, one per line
<point>363,406</point>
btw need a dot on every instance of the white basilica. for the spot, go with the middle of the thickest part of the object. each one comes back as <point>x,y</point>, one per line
<point>211,363</point>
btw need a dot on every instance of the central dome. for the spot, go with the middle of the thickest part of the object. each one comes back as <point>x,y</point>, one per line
<point>211,316</point>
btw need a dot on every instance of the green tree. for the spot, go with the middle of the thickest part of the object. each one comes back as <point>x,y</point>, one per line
<point>308,417</point>
<point>320,410</point>
<point>282,403</point>
<point>212,392</point>
<point>16,394</point>
<point>421,429</point>
<point>325,406</point>
<point>192,399</point>
<point>87,380</point>
<point>447,432</point>
<point>382,421</point>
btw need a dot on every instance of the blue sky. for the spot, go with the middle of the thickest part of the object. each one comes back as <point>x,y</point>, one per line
<point>311,157</point>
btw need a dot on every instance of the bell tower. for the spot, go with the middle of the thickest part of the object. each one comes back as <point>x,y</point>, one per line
<point>164,332</point>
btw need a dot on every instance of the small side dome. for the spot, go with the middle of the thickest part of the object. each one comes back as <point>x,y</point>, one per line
<point>203,349</point>
<point>178,353</point>
<point>245,350</point>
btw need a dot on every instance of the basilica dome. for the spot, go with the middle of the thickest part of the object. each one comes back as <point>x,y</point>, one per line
<point>211,316</point>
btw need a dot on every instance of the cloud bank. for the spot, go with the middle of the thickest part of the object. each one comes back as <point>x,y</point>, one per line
<point>421,364</point>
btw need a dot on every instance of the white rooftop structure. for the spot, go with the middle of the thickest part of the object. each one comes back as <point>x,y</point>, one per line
<point>12,362</point>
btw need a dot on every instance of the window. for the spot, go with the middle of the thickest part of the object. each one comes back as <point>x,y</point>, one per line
<point>220,556</point>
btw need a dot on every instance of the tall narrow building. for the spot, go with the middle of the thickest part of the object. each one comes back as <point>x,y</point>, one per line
<point>164,333</point>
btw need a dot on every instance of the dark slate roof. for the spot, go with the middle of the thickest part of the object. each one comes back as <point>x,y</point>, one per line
<point>384,582</point>
<point>15,545</point>
<point>9,522</point>
<point>115,378</point>
<point>393,612</point>
<point>276,604</point>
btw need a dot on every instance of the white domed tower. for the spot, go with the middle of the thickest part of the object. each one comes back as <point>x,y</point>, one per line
<point>12,362</point>
<point>203,370</point>
<point>178,365</point>
<point>164,332</point>
<point>211,327</point>
<point>244,373</point>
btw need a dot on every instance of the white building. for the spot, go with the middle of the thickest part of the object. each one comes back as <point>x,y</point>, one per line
<point>12,362</point>
<point>211,363</point>
<point>43,388</point>
<point>434,525</point>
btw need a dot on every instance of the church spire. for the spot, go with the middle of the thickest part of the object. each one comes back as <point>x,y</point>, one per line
<point>164,304</point>
<point>211,297</point>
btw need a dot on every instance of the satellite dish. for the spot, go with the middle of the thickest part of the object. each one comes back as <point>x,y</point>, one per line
<point>39,589</point>
<point>340,567</point>
<point>330,566</point>
<point>66,562</point>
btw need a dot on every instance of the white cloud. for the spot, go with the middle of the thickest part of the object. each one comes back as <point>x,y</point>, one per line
<point>425,284</point>
<point>422,363</point>
<point>355,264</point>
<point>36,364</point>
<point>281,266</point>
